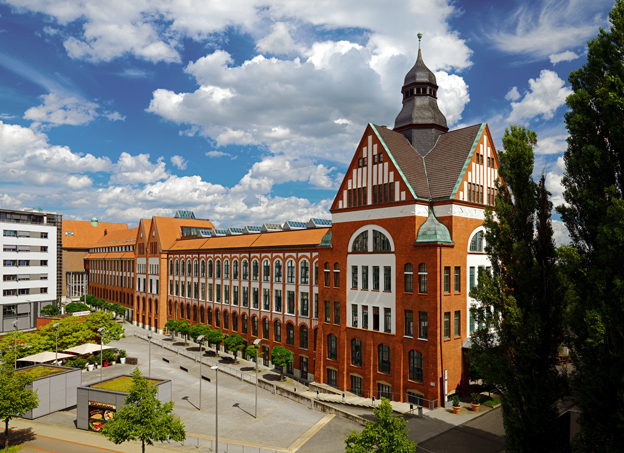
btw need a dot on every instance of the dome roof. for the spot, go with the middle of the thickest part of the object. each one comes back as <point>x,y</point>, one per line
<point>420,73</point>
<point>433,231</point>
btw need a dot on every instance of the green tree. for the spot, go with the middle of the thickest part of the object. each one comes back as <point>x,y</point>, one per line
<point>215,337</point>
<point>594,215</point>
<point>280,356</point>
<point>387,434</point>
<point>184,328</point>
<point>74,307</point>
<point>235,343</point>
<point>119,310</point>
<point>50,310</point>
<point>199,329</point>
<point>522,300</point>
<point>253,351</point>
<point>171,325</point>
<point>144,417</point>
<point>15,398</point>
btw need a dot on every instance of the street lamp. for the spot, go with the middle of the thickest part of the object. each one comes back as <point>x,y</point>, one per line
<point>216,368</point>
<point>149,341</point>
<point>15,343</point>
<point>200,340</point>
<point>56,326</point>
<point>100,330</point>
<point>257,345</point>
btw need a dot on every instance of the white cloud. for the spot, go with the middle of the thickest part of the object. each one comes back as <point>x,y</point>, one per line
<point>452,96</point>
<point>215,153</point>
<point>279,169</point>
<point>563,56</point>
<point>7,201</point>
<point>178,162</point>
<point>278,41</point>
<point>513,94</point>
<point>78,182</point>
<point>58,109</point>
<point>560,232</point>
<point>546,94</point>
<point>115,116</point>
<point>551,145</point>
<point>138,169</point>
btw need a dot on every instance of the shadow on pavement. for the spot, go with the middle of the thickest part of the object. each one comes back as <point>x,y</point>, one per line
<point>17,437</point>
<point>463,439</point>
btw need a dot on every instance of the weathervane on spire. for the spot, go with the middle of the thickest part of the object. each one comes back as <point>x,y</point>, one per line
<point>419,37</point>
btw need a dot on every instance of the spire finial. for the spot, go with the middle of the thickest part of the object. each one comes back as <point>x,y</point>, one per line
<point>419,38</point>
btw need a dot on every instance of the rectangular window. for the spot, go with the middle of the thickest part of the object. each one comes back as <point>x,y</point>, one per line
<point>254,298</point>
<point>218,296</point>
<point>422,325</point>
<point>336,277</point>
<point>364,277</point>
<point>364,199</point>
<point>385,193</point>
<point>266,299</point>
<point>235,295</point>
<point>354,277</point>
<point>447,324</point>
<point>278,300</point>
<point>349,199</point>
<point>457,279</point>
<point>374,195</point>
<point>210,292</point>
<point>291,302</point>
<point>387,278</point>
<point>182,285</point>
<point>305,305</point>
<point>457,323</point>
<point>332,377</point>
<point>472,278</point>
<point>447,279</point>
<point>364,316</point>
<point>226,294</point>
<point>195,290</point>
<point>376,318</point>
<point>327,276</point>
<point>171,287</point>
<point>177,288</point>
<point>354,315</point>
<point>327,311</point>
<point>356,385</point>
<point>336,312</point>
<point>375,278</point>
<point>387,320</point>
<point>391,192</point>
<point>245,296</point>
<point>472,323</point>
<point>409,323</point>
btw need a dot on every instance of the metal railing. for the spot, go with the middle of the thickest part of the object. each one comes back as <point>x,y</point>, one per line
<point>376,395</point>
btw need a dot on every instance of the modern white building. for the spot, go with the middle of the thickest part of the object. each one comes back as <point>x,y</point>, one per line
<point>31,265</point>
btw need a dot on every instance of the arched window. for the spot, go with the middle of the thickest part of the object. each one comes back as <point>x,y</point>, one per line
<point>265,328</point>
<point>383,358</point>
<point>194,312</point>
<point>195,268</point>
<point>254,326</point>
<point>226,269</point>
<point>188,268</point>
<point>380,242</point>
<point>356,352</point>
<point>290,334</point>
<point>209,268</point>
<point>304,272</point>
<point>226,320</point>
<point>266,271</point>
<point>235,269</point>
<point>201,315</point>
<point>336,275</point>
<point>181,311</point>
<point>476,244</point>
<point>244,323</point>
<point>188,311</point>
<point>218,317</point>
<point>422,278</point>
<point>316,272</point>
<point>290,271</point>
<point>170,308</point>
<point>209,315</point>
<point>278,271</point>
<point>177,267</point>
<point>327,274</point>
<point>245,270</point>
<point>202,268</point>
<point>170,267</point>
<point>332,347</point>
<point>360,243</point>
<point>277,330</point>
<point>409,278</point>
<point>182,267</point>
<point>303,337</point>
<point>235,322</point>
<point>255,270</point>
<point>415,366</point>
<point>218,269</point>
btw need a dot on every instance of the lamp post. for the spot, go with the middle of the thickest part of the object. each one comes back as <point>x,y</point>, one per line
<point>216,368</point>
<point>257,345</point>
<point>149,342</point>
<point>15,344</point>
<point>200,340</point>
<point>56,326</point>
<point>100,330</point>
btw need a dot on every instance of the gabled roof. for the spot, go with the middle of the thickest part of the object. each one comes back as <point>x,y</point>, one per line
<point>83,235</point>
<point>118,238</point>
<point>168,229</point>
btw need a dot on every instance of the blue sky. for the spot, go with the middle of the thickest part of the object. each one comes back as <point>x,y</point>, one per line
<point>248,111</point>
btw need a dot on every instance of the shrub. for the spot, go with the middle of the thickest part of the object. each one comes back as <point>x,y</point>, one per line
<point>476,397</point>
<point>108,355</point>
<point>92,360</point>
<point>455,399</point>
<point>122,353</point>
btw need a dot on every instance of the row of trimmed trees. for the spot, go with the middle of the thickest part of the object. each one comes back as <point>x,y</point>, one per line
<point>98,304</point>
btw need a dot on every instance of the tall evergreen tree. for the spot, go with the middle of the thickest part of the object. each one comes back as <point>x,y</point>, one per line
<point>594,216</point>
<point>520,309</point>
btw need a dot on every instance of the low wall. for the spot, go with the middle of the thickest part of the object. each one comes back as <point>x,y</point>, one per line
<point>55,392</point>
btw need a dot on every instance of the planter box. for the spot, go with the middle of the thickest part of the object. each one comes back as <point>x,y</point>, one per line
<point>99,404</point>
<point>56,392</point>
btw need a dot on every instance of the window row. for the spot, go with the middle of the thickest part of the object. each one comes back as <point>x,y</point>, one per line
<point>356,271</point>
<point>376,320</point>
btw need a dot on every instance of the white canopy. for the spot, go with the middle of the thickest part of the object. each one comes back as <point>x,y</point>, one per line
<point>44,357</point>
<point>87,348</point>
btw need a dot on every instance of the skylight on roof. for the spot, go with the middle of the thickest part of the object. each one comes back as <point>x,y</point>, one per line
<point>290,225</point>
<point>315,223</point>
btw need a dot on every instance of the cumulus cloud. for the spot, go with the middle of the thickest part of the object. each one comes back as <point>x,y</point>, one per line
<point>561,233</point>
<point>215,153</point>
<point>278,41</point>
<point>178,162</point>
<point>555,144</point>
<point>568,55</point>
<point>58,109</point>
<point>513,94</point>
<point>546,94</point>
<point>452,96</point>
<point>138,169</point>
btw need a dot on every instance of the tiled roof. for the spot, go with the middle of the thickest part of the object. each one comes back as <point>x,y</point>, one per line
<point>291,238</point>
<point>446,161</point>
<point>117,238</point>
<point>168,229</point>
<point>86,235</point>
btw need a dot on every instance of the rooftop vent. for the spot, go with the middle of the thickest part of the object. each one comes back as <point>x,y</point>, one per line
<point>290,225</point>
<point>184,215</point>
<point>271,227</point>
<point>319,223</point>
<point>250,229</point>
<point>234,231</point>
<point>220,232</point>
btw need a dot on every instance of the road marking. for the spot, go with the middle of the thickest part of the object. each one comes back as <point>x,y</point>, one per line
<point>60,440</point>
<point>311,432</point>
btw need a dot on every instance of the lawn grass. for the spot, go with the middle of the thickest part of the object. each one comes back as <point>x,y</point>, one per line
<point>12,448</point>
<point>120,384</point>
<point>41,371</point>
<point>491,402</point>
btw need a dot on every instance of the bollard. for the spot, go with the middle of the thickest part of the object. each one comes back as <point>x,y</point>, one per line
<point>420,411</point>
<point>318,394</point>
<point>343,397</point>
<point>295,389</point>
<point>373,400</point>
<point>411,407</point>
